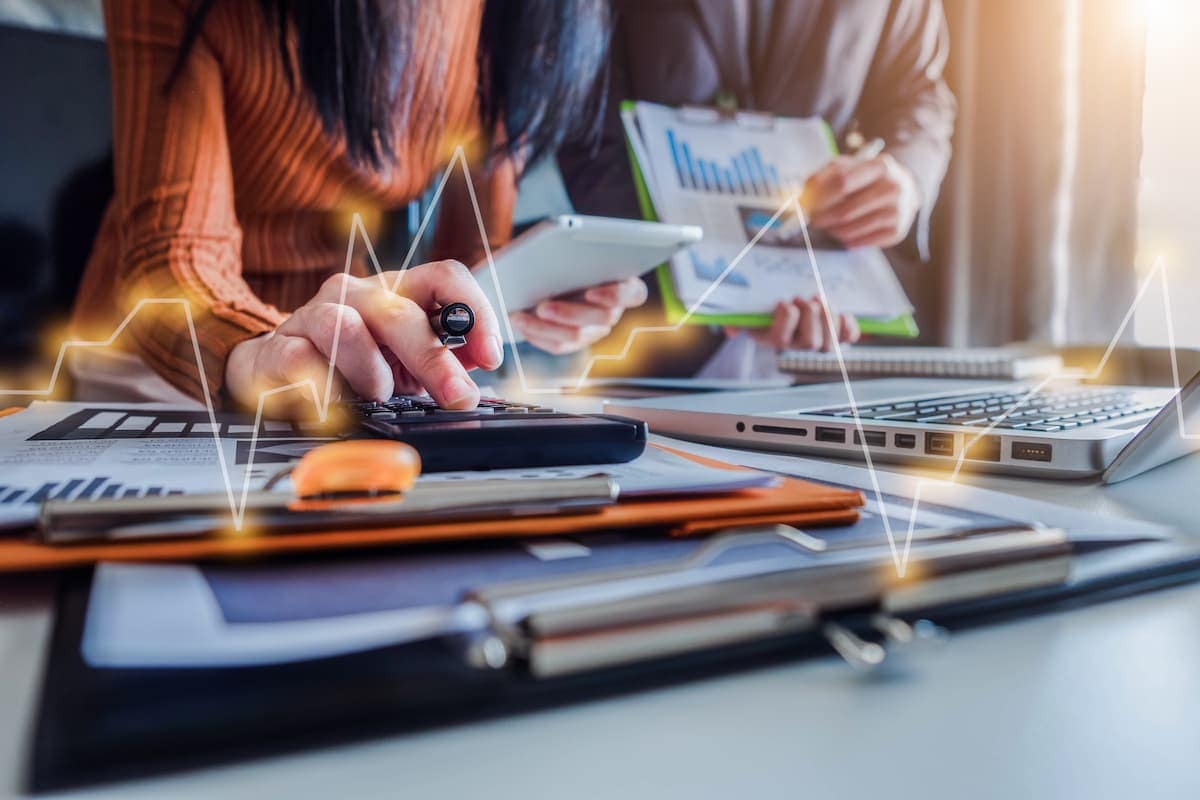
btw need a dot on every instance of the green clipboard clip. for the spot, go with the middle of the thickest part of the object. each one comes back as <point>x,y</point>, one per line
<point>901,326</point>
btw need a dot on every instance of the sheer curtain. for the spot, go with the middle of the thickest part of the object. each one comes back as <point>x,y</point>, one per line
<point>1036,231</point>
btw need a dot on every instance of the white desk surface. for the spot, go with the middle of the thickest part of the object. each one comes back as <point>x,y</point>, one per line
<point>1097,702</point>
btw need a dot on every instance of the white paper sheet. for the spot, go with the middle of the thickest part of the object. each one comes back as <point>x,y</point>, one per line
<point>165,615</point>
<point>92,450</point>
<point>654,472</point>
<point>933,492</point>
<point>731,178</point>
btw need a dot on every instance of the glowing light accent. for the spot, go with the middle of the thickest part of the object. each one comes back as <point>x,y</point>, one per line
<point>321,397</point>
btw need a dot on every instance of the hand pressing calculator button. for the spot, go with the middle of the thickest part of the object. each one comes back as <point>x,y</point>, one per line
<point>499,434</point>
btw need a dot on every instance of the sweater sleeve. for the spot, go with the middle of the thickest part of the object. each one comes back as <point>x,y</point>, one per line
<point>178,233</point>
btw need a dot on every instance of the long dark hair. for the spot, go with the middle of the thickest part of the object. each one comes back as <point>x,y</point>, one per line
<point>538,63</point>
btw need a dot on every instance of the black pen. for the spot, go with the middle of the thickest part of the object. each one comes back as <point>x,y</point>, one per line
<point>452,323</point>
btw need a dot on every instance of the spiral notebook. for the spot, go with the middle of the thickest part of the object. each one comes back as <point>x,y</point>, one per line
<point>1001,363</point>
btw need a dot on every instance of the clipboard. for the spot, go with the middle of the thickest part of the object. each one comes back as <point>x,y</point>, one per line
<point>791,501</point>
<point>108,723</point>
<point>904,325</point>
<point>97,723</point>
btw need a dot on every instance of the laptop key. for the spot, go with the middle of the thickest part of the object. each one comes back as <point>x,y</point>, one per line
<point>902,417</point>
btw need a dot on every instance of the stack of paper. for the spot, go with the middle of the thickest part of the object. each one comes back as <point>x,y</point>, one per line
<point>731,176</point>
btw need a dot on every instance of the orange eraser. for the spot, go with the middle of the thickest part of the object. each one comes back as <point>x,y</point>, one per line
<point>357,466</point>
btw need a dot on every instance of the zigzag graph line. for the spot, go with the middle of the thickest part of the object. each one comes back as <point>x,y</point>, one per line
<point>322,397</point>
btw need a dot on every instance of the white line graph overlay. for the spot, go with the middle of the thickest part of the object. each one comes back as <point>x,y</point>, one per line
<point>321,397</point>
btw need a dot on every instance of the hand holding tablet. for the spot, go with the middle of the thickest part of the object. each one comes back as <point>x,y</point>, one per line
<point>566,281</point>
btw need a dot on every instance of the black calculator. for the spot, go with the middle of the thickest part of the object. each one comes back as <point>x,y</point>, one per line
<point>499,434</point>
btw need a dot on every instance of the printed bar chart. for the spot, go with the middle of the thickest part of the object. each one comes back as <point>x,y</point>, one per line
<point>139,424</point>
<point>69,489</point>
<point>744,173</point>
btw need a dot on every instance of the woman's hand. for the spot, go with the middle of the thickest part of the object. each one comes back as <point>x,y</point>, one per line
<point>380,341</point>
<point>572,322</point>
<point>801,325</point>
<point>863,203</point>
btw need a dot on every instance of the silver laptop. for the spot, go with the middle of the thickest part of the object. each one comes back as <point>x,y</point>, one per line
<point>1065,430</point>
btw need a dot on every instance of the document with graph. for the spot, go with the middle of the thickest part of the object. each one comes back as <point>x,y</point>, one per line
<point>733,175</point>
<point>87,451</point>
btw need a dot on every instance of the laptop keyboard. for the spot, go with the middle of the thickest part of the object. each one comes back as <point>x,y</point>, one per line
<point>1043,412</point>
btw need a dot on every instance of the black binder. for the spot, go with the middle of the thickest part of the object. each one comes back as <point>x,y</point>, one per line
<point>109,724</point>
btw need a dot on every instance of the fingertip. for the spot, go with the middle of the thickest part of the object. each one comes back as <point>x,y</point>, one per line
<point>458,393</point>
<point>599,295</point>
<point>493,351</point>
<point>641,292</point>
<point>384,388</point>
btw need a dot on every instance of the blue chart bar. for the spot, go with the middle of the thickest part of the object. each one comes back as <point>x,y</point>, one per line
<point>762,173</point>
<point>691,168</point>
<point>153,491</point>
<point>13,497</point>
<point>65,491</point>
<point>733,189</point>
<point>742,183</point>
<point>129,493</point>
<point>111,490</point>
<point>749,171</point>
<point>89,491</point>
<point>675,155</point>
<point>745,172</point>
<point>41,493</point>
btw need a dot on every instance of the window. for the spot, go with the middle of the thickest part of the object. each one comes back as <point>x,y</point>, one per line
<point>1169,195</point>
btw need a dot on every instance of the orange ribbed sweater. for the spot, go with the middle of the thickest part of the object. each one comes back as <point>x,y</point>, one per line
<point>230,194</point>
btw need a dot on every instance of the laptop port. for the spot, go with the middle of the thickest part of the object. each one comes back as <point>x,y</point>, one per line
<point>874,438</point>
<point>985,448</point>
<point>906,440</point>
<point>830,435</point>
<point>779,429</point>
<point>1032,451</point>
<point>939,444</point>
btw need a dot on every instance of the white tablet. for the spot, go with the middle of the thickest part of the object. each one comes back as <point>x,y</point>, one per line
<point>567,253</point>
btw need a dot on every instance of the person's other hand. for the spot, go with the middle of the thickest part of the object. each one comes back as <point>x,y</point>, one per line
<point>572,322</point>
<point>863,203</point>
<point>384,342</point>
<point>801,325</point>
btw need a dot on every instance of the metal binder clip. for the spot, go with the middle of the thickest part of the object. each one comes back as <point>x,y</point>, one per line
<point>857,652</point>
<point>900,633</point>
<point>485,651</point>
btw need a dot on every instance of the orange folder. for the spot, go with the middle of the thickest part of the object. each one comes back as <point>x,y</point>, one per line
<point>792,501</point>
